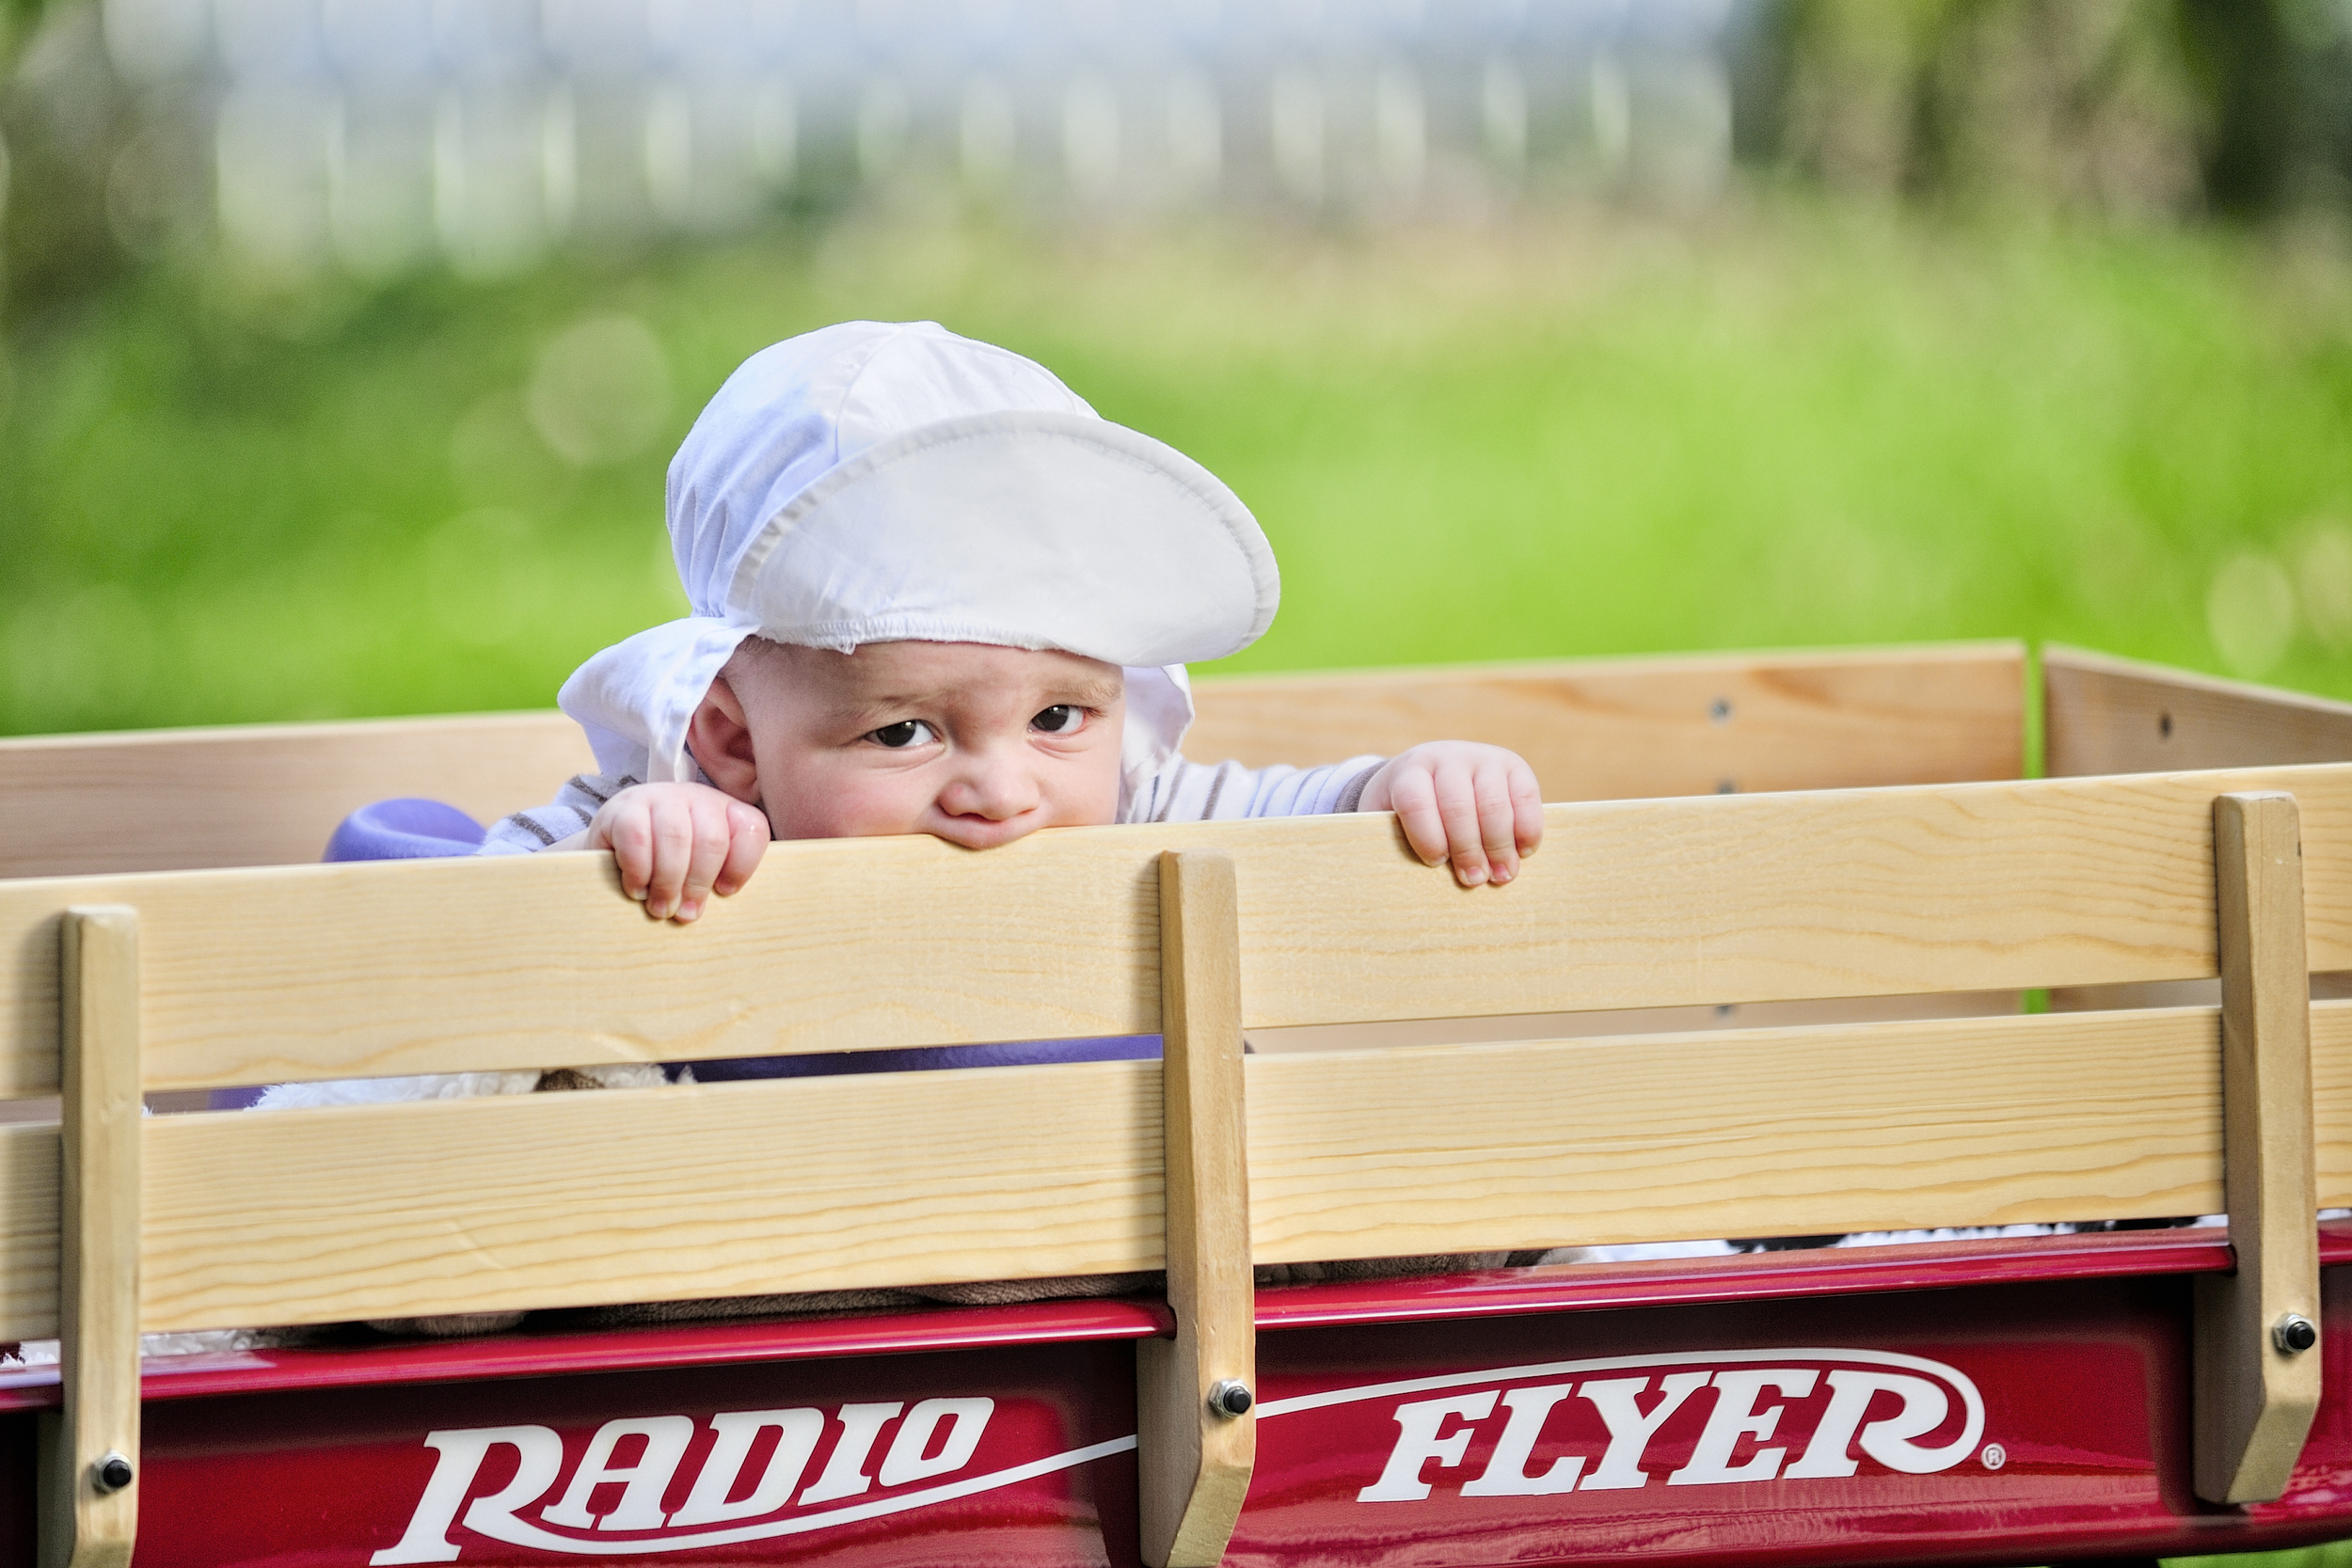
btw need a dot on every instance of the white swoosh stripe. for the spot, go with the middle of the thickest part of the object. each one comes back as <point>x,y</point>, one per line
<point>527,1535</point>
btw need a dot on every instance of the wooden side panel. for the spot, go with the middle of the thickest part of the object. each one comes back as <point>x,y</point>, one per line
<point>651,1195</point>
<point>2107,715</point>
<point>741,1189</point>
<point>262,975</point>
<point>258,794</point>
<point>270,794</point>
<point>1872,1126</point>
<point>1621,729</point>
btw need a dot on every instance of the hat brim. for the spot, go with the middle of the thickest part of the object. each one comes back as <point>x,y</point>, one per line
<point>1025,529</point>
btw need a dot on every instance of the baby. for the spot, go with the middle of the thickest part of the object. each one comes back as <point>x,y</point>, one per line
<point>935,593</point>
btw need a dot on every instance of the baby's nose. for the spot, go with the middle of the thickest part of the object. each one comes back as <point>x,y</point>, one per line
<point>997,788</point>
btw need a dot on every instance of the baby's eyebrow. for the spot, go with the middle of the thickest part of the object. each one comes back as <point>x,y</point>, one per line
<point>881,710</point>
<point>1097,691</point>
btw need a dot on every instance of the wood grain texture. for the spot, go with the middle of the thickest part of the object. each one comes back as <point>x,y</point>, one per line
<point>652,1194</point>
<point>30,1203</point>
<point>2254,1402</point>
<point>270,794</point>
<point>749,1188</point>
<point>263,975</point>
<point>541,1200</point>
<point>1772,1132</point>
<point>2107,715</point>
<point>1621,729</point>
<point>87,1525</point>
<point>1637,1021</point>
<point>258,794</point>
<point>1193,1465</point>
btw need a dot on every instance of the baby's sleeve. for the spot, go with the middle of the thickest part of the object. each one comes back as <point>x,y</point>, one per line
<point>1226,791</point>
<point>528,832</point>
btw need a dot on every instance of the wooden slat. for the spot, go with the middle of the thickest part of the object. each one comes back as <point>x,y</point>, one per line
<point>270,794</point>
<point>2107,715</point>
<point>89,1522</point>
<point>652,1194</point>
<point>30,1206</point>
<point>1193,1462</point>
<point>646,1194</point>
<point>263,975</point>
<point>258,794</point>
<point>2254,1398</point>
<point>1639,1021</point>
<point>1620,729</point>
<point>514,1217</point>
<point>1871,1127</point>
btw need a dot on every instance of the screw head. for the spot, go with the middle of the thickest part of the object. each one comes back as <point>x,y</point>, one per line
<point>1230,1396</point>
<point>111,1471</point>
<point>2294,1334</point>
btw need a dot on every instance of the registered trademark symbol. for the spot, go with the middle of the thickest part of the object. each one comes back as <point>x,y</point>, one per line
<point>1994,1455</point>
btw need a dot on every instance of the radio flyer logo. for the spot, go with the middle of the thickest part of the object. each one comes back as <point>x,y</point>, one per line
<point>883,1458</point>
<point>1620,1423</point>
<point>1608,1424</point>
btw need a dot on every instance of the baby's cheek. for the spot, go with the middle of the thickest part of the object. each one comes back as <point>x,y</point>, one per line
<point>1098,806</point>
<point>847,802</point>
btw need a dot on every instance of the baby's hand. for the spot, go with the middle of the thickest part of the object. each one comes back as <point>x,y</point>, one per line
<point>678,843</point>
<point>1477,805</point>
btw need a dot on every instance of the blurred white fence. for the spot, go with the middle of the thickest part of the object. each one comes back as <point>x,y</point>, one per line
<point>375,134</point>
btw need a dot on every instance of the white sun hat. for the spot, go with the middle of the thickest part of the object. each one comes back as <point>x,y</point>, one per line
<point>880,482</point>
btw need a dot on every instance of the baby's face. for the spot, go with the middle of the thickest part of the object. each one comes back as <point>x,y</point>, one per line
<point>977,744</point>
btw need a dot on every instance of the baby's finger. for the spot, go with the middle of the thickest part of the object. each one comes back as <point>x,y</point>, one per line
<point>1413,795</point>
<point>673,853</point>
<point>747,841</point>
<point>1527,808</point>
<point>622,828</point>
<point>706,859</point>
<point>1458,806</point>
<point>1497,823</point>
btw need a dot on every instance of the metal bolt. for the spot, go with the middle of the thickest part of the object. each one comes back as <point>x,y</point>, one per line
<point>1231,1396</point>
<point>111,1471</point>
<point>1720,709</point>
<point>2294,1334</point>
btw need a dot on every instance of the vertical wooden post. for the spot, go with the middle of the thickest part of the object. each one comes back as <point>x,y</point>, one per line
<point>89,1514</point>
<point>2255,1391</point>
<point>1193,1457</point>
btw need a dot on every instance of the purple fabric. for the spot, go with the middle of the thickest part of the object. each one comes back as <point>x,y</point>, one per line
<point>826,1064</point>
<point>407,830</point>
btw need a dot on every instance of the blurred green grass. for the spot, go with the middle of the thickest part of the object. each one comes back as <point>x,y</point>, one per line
<point>1790,423</point>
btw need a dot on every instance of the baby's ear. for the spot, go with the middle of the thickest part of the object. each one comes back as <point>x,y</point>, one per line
<point>720,739</point>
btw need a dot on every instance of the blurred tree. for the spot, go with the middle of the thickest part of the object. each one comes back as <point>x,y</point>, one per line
<point>2131,107</point>
<point>64,121</point>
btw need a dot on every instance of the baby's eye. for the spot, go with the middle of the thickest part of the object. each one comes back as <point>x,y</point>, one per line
<point>902,734</point>
<point>1061,719</point>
